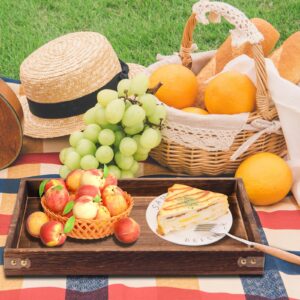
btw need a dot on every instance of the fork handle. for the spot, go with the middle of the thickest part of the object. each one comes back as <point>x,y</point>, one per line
<point>284,255</point>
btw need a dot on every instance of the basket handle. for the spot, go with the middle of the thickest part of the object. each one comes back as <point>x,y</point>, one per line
<point>245,31</point>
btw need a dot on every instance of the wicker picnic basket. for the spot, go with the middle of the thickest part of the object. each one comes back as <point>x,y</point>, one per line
<point>198,161</point>
<point>90,229</point>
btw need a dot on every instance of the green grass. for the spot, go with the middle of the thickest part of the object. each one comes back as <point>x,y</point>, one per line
<point>137,29</point>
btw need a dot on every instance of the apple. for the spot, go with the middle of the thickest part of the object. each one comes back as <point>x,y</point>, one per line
<point>73,180</point>
<point>52,234</point>
<point>54,182</point>
<point>110,180</point>
<point>103,214</point>
<point>56,198</point>
<point>93,177</point>
<point>127,230</point>
<point>35,221</point>
<point>88,190</point>
<point>114,200</point>
<point>85,208</point>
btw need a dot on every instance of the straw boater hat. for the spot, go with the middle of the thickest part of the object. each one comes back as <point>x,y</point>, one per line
<point>61,81</point>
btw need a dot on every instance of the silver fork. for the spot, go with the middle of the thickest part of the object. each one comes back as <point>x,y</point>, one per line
<point>284,255</point>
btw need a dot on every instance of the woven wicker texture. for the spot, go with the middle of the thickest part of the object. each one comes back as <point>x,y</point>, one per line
<point>196,161</point>
<point>90,229</point>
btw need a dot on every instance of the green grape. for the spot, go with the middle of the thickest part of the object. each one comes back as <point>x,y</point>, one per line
<point>123,87</point>
<point>126,174</point>
<point>138,156</point>
<point>72,160</point>
<point>128,146</point>
<point>140,149</point>
<point>134,168</point>
<point>105,96</point>
<point>85,147</point>
<point>123,162</point>
<point>115,171</point>
<point>62,155</point>
<point>134,129</point>
<point>139,84</point>
<point>148,102</point>
<point>159,137</point>
<point>100,117</point>
<point>149,138</point>
<point>159,115</point>
<point>89,116</point>
<point>114,111</point>
<point>118,137</point>
<point>91,132</point>
<point>104,154</point>
<point>113,127</point>
<point>127,104</point>
<point>133,115</point>
<point>106,137</point>
<point>98,105</point>
<point>75,137</point>
<point>89,162</point>
<point>64,172</point>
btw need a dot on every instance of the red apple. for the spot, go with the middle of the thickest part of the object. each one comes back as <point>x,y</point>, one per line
<point>73,180</point>
<point>57,198</point>
<point>88,190</point>
<point>52,234</point>
<point>54,182</point>
<point>127,230</point>
<point>114,200</point>
<point>93,177</point>
<point>85,208</point>
<point>35,221</point>
<point>110,180</point>
<point>103,214</point>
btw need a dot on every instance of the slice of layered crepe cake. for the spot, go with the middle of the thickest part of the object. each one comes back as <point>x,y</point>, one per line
<point>185,206</point>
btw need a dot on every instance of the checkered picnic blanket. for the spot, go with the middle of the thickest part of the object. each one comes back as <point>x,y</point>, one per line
<point>279,226</point>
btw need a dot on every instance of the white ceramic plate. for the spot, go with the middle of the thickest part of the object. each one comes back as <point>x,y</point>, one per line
<point>188,236</point>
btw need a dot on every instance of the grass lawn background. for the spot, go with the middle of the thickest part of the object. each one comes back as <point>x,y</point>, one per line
<point>137,29</point>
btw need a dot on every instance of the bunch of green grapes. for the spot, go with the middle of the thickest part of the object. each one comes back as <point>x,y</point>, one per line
<point>121,129</point>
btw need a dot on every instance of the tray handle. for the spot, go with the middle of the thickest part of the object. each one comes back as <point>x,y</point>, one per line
<point>245,31</point>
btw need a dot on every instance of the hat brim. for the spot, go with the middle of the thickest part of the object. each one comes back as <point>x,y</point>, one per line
<point>50,128</point>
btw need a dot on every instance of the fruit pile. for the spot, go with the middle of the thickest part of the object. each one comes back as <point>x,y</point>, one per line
<point>227,93</point>
<point>121,130</point>
<point>85,195</point>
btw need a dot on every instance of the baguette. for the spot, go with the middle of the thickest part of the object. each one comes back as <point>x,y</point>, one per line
<point>226,53</point>
<point>287,58</point>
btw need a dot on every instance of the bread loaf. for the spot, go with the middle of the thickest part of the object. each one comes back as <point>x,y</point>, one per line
<point>287,58</point>
<point>226,53</point>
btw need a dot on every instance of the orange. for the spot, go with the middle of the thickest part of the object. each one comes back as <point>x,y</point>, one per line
<point>230,93</point>
<point>267,178</point>
<point>195,110</point>
<point>179,85</point>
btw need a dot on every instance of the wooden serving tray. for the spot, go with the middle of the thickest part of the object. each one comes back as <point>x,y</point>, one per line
<point>150,255</point>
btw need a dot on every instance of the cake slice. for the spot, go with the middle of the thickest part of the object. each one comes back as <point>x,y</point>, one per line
<point>185,206</point>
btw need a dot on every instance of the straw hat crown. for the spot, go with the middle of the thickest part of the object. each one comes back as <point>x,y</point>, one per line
<point>73,65</point>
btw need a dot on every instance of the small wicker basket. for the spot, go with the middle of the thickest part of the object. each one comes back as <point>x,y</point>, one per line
<point>197,161</point>
<point>90,229</point>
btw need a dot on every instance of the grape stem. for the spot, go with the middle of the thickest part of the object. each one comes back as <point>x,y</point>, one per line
<point>159,126</point>
<point>154,90</point>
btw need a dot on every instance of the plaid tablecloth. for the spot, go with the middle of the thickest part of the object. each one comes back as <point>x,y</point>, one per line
<point>279,226</point>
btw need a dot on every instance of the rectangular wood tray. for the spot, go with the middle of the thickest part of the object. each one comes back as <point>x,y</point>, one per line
<point>150,255</point>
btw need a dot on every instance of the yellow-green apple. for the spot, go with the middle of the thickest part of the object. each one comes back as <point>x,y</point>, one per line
<point>52,234</point>
<point>93,177</point>
<point>114,200</point>
<point>103,214</point>
<point>73,180</point>
<point>56,198</point>
<point>88,190</point>
<point>35,221</point>
<point>127,230</point>
<point>54,182</point>
<point>85,208</point>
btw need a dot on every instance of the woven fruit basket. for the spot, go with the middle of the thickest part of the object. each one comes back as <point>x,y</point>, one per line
<point>183,148</point>
<point>90,229</point>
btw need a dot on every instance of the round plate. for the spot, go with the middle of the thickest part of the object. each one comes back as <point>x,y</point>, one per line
<point>187,236</point>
